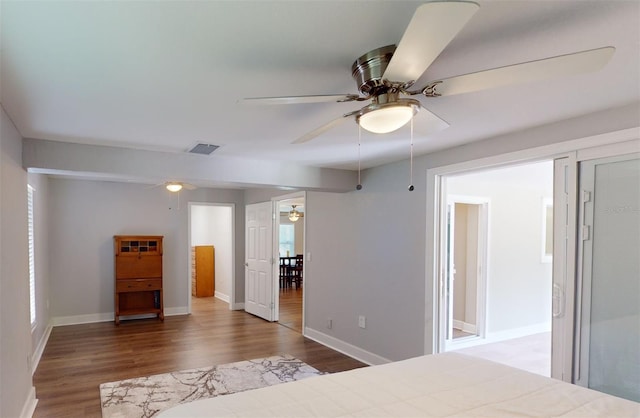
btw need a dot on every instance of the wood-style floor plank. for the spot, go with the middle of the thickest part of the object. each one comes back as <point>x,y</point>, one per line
<point>78,358</point>
<point>291,308</point>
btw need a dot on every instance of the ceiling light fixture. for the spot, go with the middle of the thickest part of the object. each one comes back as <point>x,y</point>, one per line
<point>294,215</point>
<point>174,187</point>
<point>382,118</point>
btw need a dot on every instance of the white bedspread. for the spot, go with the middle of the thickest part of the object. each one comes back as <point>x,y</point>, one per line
<point>442,385</point>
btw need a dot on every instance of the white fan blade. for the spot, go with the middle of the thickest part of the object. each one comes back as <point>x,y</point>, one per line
<point>188,186</point>
<point>431,29</point>
<point>432,122</point>
<point>563,65</point>
<point>300,99</point>
<point>318,131</point>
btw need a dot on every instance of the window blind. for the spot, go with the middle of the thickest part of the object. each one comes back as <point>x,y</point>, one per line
<point>32,264</point>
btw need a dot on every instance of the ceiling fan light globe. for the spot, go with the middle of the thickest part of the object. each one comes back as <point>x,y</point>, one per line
<point>387,118</point>
<point>174,187</point>
<point>294,215</point>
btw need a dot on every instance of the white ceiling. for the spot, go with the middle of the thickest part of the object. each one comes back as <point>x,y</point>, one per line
<point>165,75</point>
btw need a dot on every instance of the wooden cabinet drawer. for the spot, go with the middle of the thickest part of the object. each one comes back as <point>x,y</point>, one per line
<point>136,285</point>
<point>131,266</point>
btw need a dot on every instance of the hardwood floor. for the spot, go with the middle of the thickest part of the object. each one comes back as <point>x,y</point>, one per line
<point>291,308</point>
<point>78,358</point>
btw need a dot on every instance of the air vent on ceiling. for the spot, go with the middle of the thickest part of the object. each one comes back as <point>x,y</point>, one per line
<point>203,149</point>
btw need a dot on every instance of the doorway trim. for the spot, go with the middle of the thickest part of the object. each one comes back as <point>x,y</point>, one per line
<point>575,150</point>
<point>232,206</point>
<point>276,256</point>
<point>483,204</point>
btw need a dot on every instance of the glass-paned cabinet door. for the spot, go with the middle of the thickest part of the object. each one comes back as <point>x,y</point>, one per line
<point>139,245</point>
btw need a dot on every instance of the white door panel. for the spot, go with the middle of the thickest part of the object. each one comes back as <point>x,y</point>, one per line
<point>259,293</point>
<point>608,352</point>
<point>562,323</point>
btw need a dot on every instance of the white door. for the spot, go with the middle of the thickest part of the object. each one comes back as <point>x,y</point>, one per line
<point>259,293</point>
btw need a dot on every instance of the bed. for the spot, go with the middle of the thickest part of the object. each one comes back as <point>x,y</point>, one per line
<point>441,385</point>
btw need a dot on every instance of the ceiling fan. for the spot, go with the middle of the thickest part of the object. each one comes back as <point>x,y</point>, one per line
<point>175,186</point>
<point>385,75</point>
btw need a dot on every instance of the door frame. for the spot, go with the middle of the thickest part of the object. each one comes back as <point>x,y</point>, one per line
<point>440,179</point>
<point>483,204</point>
<point>610,143</point>
<point>232,206</point>
<point>276,241</point>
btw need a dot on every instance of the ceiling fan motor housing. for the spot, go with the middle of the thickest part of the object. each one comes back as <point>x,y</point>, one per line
<point>369,69</point>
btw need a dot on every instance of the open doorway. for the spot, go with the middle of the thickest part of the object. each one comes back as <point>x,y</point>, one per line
<point>466,254</point>
<point>211,255</point>
<point>497,292</point>
<point>290,277</point>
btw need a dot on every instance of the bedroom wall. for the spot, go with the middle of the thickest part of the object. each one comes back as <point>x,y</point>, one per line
<point>518,282</point>
<point>369,263</point>
<point>84,217</point>
<point>17,395</point>
<point>213,225</point>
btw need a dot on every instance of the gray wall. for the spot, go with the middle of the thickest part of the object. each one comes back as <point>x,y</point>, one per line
<point>368,259</point>
<point>16,391</point>
<point>86,214</point>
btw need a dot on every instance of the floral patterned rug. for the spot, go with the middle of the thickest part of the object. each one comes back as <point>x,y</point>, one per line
<point>144,397</point>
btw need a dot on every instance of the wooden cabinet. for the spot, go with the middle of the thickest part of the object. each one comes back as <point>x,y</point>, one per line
<point>138,275</point>
<point>203,271</point>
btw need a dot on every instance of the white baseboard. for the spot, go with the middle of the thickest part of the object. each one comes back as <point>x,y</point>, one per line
<point>463,326</point>
<point>345,348</point>
<point>180,310</point>
<point>30,403</point>
<point>37,353</point>
<point>494,337</point>
<point>109,316</point>
<point>81,319</point>
<point>221,296</point>
<point>510,334</point>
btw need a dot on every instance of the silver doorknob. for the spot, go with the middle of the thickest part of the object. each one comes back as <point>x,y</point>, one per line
<point>246,264</point>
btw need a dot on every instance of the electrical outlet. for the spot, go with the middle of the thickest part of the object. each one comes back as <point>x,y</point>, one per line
<point>362,321</point>
<point>329,323</point>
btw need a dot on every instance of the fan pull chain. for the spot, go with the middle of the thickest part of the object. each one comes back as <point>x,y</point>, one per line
<point>411,160</point>
<point>359,186</point>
